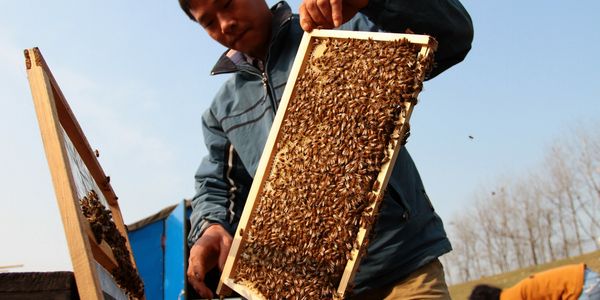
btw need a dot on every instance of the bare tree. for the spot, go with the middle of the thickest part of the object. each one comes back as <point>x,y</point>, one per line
<point>545,217</point>
<point>548,217</point>
<point>485,220</point>
<point>551,212</point>
<point>464,234</point>
<point>497,224</point>
<point>585,146</point>
<point>529,213</point>
<point>508,207</point>
<point>560,193</point>
<point>588,143</point>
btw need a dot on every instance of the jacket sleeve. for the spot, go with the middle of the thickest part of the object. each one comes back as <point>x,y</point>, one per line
<point>210,203</point>
<point>446,20</point>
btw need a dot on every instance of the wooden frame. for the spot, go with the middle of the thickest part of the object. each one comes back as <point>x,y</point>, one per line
<point>306,49</point>
<point>62,136</point>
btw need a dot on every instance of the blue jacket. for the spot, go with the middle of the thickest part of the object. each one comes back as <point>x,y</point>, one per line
<point>408,233</point>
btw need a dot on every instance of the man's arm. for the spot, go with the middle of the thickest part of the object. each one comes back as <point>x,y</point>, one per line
<point>446,20</point>
<point>210,234</point>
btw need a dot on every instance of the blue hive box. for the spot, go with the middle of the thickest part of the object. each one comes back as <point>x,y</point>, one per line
<point>160,250</point>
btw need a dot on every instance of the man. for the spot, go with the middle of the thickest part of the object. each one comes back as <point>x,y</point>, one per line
<point>562,283</point>
<point>263,42</point>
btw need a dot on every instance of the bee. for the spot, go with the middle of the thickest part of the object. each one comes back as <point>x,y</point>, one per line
<point>376,185</point>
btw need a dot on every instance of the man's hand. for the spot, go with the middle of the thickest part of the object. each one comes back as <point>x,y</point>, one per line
<point>210,250</point>
<point>328,14</point>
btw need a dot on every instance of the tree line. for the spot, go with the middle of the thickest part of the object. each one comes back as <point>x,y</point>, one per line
<point>551,212</point>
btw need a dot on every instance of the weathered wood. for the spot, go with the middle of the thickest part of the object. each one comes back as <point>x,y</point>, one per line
<point>38,285</point>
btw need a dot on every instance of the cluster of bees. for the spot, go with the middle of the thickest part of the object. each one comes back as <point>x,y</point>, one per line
<point>103,228</point>
<point>322,181</point>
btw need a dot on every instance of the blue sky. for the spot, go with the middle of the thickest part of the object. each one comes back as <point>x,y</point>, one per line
<point>136,77</point>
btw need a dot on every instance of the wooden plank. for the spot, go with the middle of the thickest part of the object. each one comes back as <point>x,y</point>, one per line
<point>69,123</point>
<point>383,177</point>
<point>306,49</point>
<point>60,130</point>
<point>101,252</point>
<point>71,126</point>
<point>79,247</point>
<point>379,36</point>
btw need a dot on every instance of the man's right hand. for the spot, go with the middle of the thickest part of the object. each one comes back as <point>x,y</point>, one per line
<point>328,14</point>
<point>210,250</point>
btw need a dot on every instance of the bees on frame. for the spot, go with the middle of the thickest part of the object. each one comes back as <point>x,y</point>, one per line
<point>347,108</point>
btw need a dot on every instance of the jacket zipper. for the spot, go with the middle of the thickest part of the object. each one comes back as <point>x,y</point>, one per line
<point>265,77</point>
<point>270,92</point>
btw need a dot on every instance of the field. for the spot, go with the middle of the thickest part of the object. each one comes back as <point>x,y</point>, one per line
<point>462,291</point>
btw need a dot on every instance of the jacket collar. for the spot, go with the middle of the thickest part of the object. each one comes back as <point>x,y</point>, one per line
<point>281,15</point>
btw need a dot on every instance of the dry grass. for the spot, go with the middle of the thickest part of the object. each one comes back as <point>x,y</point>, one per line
<point>462,291</point>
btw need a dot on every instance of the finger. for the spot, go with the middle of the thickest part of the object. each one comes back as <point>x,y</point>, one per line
<point>196,279</point>
<point>223,257</point>
<point>315,14</point>
<point>336,12</point>
<point>306,22</point>
<point>199,263</point>
<point>224,250</point>
<point>325,10</point>
<point>203,290</point>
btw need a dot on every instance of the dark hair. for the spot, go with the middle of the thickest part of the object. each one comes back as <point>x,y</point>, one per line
<point>185,6</point>
<point>485,292</point>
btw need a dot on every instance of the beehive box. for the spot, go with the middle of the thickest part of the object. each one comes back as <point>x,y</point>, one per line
<point>342,120</point>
